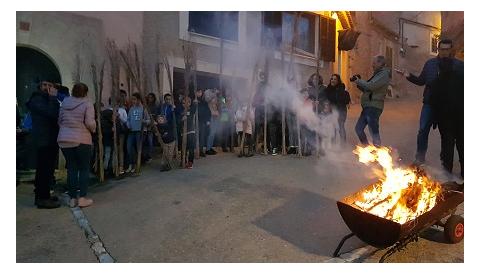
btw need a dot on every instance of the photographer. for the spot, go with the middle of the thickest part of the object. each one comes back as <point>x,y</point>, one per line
<point>372,100</point>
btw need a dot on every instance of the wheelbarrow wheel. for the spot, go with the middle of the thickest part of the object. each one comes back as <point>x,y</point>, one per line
<point>454,229</point>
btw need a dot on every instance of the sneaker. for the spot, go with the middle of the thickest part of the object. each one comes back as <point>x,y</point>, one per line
<point>165,168</point>
<point>47,204</point>
<point>211,152</point>
<point>189,165</point>
<point>274,151</point>
<point>84,202</point>
<point>129,169</point>
<point>149,160</point>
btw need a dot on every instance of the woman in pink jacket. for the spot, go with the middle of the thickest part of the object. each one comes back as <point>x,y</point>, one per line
<point>77,123</point>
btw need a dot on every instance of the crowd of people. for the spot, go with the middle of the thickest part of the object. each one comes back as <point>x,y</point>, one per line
<point>211,118</point>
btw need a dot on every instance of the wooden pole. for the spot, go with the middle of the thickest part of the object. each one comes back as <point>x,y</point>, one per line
<point>284,150</point>
<point>98,101</point>
<point>170,84</point>
<point>317,90</point>
<point>292,72</point>
<point>187,56</point>
<point>112,52</point>
<point>195,121</point>
<point>247,115</point>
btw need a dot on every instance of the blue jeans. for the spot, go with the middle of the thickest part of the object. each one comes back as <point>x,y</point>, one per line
<point>213,130</point>
<point>369,117</point>
<point>148,146</point>
<point>78,169</point>
<point>134,141</point>
<point>426,121</point>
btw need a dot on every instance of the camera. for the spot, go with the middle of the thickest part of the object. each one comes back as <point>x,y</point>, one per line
<point>355,77</point>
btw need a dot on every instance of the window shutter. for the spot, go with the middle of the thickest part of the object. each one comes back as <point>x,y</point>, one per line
<point>327,39</point>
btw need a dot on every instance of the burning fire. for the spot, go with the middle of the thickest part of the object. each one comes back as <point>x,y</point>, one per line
<point>402,194</point>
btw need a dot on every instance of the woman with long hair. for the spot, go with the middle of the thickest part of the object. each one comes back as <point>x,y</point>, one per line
<point>339,98</point>
<point>77,123</point>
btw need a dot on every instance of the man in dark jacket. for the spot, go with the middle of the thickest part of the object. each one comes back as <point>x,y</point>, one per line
<point>204,116</point>
<point>44,108</point>
<point>448,107</point>
<point>426,78</point>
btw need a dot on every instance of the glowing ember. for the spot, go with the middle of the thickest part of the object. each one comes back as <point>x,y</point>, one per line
<point>402,194</point>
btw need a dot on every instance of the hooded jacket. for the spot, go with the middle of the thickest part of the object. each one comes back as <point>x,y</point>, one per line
<point>76,121</point>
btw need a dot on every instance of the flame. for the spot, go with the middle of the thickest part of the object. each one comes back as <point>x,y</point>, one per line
<point>402,194</point>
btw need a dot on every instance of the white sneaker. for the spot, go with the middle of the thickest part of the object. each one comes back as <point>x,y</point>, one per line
<point>129,169</point>
<point>274,151</point>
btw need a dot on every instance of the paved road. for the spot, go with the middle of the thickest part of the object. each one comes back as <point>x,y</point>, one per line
<point>260,209</point>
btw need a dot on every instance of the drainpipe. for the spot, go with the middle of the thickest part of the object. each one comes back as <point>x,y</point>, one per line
<point>401,22</point>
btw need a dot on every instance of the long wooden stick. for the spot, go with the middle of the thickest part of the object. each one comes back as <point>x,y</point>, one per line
<point>284,150</point>
<point>170,84</point>
<point>112,52</point>
<point>98,102</point>
<point>195,121</point>
<point>247,115</point>
<point>187,56</point>
<point>291,70</point>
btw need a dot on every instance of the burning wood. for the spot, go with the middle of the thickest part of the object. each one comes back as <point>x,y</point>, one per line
<point>402,193</point>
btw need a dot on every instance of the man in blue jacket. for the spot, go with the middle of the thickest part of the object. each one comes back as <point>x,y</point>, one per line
<point>426,78</point>
<point>44,107</point>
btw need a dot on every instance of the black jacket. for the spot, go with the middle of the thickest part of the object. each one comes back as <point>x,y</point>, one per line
<point>429,75</point>
<point>166,132</point>
<point>44,110</point>
<point>447,95</point>
<point>106,117</point>
<point>204,114</point>
<point>338,96</point>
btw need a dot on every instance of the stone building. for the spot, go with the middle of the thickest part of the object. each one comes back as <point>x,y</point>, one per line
<point>406,39</point>
<point>71,41</point>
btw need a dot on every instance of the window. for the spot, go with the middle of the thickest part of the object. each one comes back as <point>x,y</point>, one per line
<point>306,31</point>
<point>327,38</point>
<point>278,27</point>
<point>434,38</point>
<point>220,24</point>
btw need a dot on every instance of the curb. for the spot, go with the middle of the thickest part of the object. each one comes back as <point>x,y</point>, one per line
<point>94,240</point>
<point>354,256</point>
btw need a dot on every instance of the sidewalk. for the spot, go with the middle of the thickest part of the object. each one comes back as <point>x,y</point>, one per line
<point>47,235</point>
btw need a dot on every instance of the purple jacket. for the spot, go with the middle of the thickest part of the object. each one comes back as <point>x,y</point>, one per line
<point>76,121</point>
